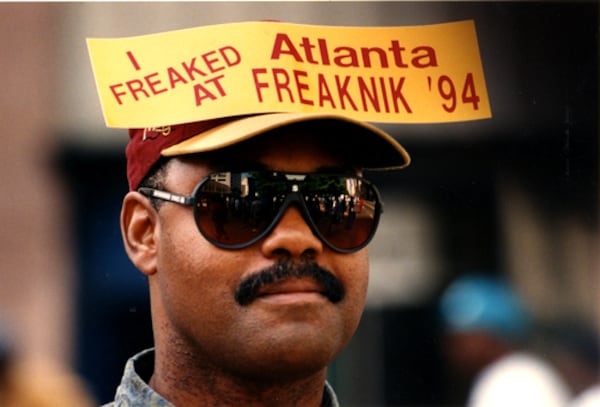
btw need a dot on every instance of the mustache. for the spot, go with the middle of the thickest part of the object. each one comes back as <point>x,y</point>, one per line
<point>249,287</point>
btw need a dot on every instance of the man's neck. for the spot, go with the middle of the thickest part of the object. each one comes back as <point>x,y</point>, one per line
<point>205,387</point>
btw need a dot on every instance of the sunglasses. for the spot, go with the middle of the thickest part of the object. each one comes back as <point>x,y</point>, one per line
<point>234,210</point>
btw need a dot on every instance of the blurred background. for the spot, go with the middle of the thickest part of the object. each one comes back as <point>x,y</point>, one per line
<point>514,197</point>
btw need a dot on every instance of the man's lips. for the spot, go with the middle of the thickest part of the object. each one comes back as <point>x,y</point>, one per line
<point>292,290</point>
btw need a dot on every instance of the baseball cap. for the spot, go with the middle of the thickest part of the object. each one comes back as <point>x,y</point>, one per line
<point>377,149</point>
<point>484,303</point>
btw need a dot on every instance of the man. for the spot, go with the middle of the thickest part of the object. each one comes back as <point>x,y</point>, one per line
<point>256,281</point>
<point>487,328</point>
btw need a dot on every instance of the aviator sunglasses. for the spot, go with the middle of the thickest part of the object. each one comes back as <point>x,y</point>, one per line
<point>234,210</point>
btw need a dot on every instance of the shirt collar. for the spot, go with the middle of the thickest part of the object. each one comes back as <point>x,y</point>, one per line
<point>134,390</point>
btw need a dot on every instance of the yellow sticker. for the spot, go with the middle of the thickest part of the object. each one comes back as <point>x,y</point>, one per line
<point>414,74</point>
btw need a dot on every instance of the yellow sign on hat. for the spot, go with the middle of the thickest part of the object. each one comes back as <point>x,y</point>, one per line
<point>419,74</point>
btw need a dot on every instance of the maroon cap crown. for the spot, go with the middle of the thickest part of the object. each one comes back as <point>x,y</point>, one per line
<point>145,145</point>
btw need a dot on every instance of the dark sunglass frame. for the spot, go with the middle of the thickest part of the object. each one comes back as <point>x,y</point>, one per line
<point>294,195</point>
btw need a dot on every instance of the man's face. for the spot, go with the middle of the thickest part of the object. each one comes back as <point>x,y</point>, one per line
<point>291,328</point>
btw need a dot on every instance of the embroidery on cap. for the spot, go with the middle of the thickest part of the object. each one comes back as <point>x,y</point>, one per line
<point>164,130</point>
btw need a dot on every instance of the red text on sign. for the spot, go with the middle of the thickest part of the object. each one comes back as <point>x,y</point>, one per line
<point>447,90</point>
<point>190,71</point>
<point>344,92</point>
<point>207,90</point>
<point>319,52</point>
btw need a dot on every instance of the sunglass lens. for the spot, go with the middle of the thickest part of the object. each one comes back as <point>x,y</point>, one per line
<point>347,219</point>
<point>231,211</point>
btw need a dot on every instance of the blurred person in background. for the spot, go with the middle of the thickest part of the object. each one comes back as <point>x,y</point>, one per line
<point>589,398</point>
<point>29,382</point>
<point>486,330</point>
<point>575,351</point>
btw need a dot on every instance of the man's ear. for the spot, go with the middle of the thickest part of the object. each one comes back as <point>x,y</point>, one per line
<point>139,228</point>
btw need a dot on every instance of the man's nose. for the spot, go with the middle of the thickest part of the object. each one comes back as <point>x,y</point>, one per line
<point>291,237</point>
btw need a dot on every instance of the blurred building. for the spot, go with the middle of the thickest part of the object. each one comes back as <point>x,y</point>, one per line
<point>516,194</point>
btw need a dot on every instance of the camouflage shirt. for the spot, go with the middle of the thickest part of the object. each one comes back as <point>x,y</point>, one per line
<point>135,392</point>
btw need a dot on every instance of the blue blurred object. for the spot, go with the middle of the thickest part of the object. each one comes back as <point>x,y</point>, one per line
<point>483,303</point>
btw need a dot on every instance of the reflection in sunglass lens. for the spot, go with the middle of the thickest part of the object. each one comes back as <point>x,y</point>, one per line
<point>347,218</point>
<point>233,209</point>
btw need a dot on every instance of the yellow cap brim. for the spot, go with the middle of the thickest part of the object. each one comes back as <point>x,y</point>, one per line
<point>381,151</point>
